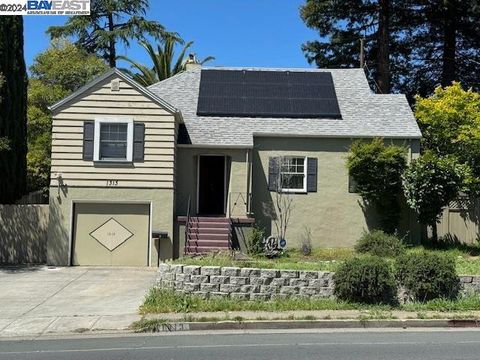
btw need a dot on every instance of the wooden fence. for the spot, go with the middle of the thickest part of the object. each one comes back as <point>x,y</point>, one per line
<point>460,222</point>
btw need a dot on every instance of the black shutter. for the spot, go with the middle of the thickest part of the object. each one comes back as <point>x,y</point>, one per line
<point>138,141</point>
<point>88,140</point>
<point>273,173</point>
<point>312,174</point>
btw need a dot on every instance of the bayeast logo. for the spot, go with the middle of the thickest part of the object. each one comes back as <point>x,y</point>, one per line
<point>44,7</point>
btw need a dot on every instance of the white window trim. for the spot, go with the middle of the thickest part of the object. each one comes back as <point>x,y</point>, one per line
<point>304,189</point>
<point>96,148</point>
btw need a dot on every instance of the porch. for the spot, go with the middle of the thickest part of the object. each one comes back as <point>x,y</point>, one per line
<point>213,199</point>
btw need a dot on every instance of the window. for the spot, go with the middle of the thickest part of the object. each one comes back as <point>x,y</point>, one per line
<point>113,140</point>
<point>293,174</point>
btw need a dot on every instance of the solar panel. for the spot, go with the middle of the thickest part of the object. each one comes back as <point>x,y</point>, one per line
<point>256,93</point>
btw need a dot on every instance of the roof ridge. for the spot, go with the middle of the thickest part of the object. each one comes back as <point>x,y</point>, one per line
<point>173,77</point>
<point>259,68</point>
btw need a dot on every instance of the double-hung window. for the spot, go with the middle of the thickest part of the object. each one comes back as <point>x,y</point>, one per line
<point>113,140</point>
<point>293,174</point>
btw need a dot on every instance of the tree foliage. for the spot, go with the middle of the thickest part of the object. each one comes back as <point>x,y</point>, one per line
<point>164,63</point>
<point>110,22</point>
<point>377,169</point>
<point>450,123</point>
<point>4,142</point>
<point>57,72</point>
<point>431,182</point>
<point>416,44</point>
<point>13,121</point>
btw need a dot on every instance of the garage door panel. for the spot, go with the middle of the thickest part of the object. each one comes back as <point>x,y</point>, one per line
<point>111,234</point>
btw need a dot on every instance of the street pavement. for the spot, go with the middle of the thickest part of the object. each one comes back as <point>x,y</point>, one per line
<point>343,345</point>
<point>42,300</point>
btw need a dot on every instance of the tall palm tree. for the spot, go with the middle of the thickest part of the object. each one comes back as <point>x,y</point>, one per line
<point>163,60</point>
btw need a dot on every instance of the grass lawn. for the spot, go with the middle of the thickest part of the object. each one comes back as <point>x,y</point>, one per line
<point>326,259</point>
<point>166,301</point>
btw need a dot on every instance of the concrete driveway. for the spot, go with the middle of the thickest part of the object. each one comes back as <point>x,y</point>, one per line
<point>42,300</point>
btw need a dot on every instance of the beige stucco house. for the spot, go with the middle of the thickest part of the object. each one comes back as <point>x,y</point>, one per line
<point>190,163</point>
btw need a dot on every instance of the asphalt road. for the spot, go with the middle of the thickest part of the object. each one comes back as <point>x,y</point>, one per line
<point>391,345</point>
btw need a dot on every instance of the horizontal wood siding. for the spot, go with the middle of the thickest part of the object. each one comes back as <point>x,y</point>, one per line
<point>157,169</point>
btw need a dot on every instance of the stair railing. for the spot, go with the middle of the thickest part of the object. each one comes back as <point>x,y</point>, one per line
<point>187,226</point>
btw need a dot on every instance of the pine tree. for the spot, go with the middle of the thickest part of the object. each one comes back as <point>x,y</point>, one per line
<point>13,115</point>
<point>110,22</point>
<point>416,44</point>
<point>341,24</point>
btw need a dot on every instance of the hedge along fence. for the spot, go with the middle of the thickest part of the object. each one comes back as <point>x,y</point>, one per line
<point>258,284</point>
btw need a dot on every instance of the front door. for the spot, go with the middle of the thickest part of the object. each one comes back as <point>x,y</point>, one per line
<point>211,185</point>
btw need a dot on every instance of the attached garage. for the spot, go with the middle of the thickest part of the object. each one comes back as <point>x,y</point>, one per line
<point>113,234</point>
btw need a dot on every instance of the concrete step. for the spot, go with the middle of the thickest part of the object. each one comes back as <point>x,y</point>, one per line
<point>207,236</point>
<point>204,219</point>
<point>208,243</point>
<point>209,225</point>
<point>203,249</point>
<point>209,230</point>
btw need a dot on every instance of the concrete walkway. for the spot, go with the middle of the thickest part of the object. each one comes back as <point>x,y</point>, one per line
<point>41,300</point>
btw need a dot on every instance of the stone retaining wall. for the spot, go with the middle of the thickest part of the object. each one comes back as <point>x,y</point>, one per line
<point>244,283</point>
<point>470,284</point>
<point>259,284</point>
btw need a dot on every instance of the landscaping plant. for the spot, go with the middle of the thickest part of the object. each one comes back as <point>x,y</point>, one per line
<point>430,183</point>
<point>381,244</point>
<point>377,169</point>
<point>428,275</point>
<point>255,241</point>
<point>367,279</point>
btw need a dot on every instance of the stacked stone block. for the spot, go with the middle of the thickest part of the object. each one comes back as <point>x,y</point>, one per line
<point>244,283</point>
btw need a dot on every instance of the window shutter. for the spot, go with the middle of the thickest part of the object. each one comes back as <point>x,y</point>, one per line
<point>88,140</point>
<point>273,173</point>
<point>138,141</point>
<point>312,174</point>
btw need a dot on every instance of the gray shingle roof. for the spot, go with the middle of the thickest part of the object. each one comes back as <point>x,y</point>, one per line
<point>364,114</point>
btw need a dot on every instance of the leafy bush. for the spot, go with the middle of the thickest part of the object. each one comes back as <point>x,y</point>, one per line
<point>255,241</point>
<point>427,275</point>
<point>366,279</point>
<point>431,182</point>
<point>380,244</point>
<point>377,169</point>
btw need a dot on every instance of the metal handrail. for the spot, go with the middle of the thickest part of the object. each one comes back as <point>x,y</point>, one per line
<point>236,198</point>
<point>187,226</point>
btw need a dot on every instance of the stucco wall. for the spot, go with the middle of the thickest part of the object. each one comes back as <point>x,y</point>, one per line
<point>186,178</point>
<point>23,234</point>
<point>335,217</point>
<point>59,231</point>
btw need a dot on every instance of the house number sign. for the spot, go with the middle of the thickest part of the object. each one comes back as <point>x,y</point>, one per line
<point>112,182</point>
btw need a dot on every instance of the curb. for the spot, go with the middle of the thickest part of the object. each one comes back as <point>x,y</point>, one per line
<point>311,324</point>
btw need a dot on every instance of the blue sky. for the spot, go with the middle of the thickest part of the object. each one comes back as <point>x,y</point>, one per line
<point>236,32</point>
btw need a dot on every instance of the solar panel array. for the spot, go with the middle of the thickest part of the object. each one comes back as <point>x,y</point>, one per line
<point>284,94</point>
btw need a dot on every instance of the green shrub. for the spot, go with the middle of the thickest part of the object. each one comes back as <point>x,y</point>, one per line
<point>255,241</point>
<point>380,244</point>
<point>367,279</point>
<point>427,275</point>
